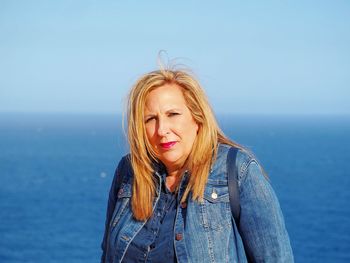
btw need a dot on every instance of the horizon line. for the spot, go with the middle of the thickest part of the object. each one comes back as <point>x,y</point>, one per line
<point>109,113</point>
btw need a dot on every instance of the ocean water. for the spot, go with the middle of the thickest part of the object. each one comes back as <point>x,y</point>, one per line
<point>56,170</point>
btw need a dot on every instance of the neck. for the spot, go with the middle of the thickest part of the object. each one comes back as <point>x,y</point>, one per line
<point>173,179</point>
<point>175,172</point>
<point>172,182</point>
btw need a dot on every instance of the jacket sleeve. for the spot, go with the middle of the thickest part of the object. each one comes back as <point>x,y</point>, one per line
<point>111,204</point>
<point>261,224</point>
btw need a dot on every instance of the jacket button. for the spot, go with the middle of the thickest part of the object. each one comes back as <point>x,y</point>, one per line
<point>178,237</point>
<point>183,205</point>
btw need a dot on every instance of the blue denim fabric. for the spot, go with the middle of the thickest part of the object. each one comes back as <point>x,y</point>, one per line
<point>205,231</point>
<point>155,242</point>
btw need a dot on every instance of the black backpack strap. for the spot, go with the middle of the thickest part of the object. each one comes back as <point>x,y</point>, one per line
<point>232,174</point>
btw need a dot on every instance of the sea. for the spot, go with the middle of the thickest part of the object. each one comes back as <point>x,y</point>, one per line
<point>56,171</point>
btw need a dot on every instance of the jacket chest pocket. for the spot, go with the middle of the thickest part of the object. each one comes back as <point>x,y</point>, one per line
<point>123,201</point>
<point>215,208</point>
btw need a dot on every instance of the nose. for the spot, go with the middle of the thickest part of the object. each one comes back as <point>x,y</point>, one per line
<point>163,127</point>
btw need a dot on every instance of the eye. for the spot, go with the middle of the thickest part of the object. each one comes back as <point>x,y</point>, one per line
<point>173,114</point>
<point>149,119</point>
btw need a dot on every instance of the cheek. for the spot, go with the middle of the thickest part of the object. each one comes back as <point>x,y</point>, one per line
<point>194,131</point>
<point>150,131</point>
<point>194,127</point>
<point>190,132</point>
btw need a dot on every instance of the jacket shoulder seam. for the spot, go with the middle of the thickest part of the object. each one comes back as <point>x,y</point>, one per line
<point>244,163</point>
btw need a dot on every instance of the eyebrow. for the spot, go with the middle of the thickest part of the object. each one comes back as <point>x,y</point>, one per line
<point>167,111</point>
<point>173,109</point>
<point>149,115</point>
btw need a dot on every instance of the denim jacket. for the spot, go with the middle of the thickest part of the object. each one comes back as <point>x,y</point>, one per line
<point>205,231</point>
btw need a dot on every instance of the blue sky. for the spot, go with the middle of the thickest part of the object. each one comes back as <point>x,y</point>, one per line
<point>280,57</point>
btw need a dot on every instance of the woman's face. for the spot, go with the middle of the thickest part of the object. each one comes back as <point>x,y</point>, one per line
<point>170,127</point>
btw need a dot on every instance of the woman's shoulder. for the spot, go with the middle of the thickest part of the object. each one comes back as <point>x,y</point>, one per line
<point>123,171</point>
<point>244,155</point>
<point>244,158</point>
<point>124,161</point>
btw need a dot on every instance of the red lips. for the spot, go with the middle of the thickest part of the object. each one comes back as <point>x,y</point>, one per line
<point>167,145</point>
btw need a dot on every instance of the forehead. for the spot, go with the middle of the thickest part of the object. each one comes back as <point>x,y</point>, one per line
<point>169,94</point>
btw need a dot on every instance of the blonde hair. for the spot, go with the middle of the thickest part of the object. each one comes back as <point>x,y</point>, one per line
<point>142,156</point>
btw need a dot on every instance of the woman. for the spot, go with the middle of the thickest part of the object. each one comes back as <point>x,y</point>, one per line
<point>169,198</point>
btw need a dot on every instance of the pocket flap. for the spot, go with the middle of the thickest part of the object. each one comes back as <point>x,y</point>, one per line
<point>216,193</point>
